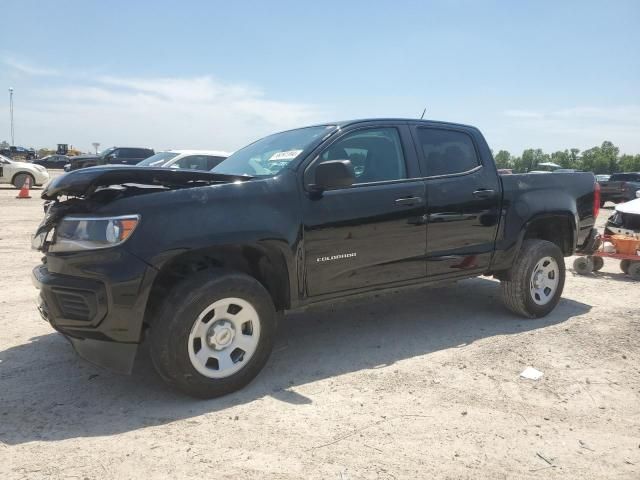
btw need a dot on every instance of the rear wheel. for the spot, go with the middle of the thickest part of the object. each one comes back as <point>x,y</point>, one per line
<point>598,263</point>
<point>634,270</point>
<point>624,265</point>
<point>533,286</point>
<point>583,265</point>
<point>214,333</point>
<point>20,178</point>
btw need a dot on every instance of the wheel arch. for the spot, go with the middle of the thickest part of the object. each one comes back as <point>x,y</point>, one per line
<point>24,172</point>
<point>558,228</point>
<point>262,261</point>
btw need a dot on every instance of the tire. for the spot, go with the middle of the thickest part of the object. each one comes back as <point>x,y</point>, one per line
<point>196,314</point>
<point>20,178</point>
<point>583,265</point>
<point>624,265</point>
<point>598,263</point>
<point>536,260</point>
<point>634,270</point>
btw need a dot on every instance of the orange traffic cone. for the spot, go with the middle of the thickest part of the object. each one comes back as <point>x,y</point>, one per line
<point>24,191</point>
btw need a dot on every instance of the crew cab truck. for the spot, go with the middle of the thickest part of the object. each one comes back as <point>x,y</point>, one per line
<point>200,264</point>
<point>113,155</point>
<point>620,187</point>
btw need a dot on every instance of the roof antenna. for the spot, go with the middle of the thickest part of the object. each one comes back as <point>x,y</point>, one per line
<point>423,112</point>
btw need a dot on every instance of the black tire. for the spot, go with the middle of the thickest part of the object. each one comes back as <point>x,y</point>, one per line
<point>583,265</point>
<point>634,270</point>
<point>516,293</point>
<point>170,331</point>
<point>20,178</point>
<point>624,265</point>
<point>598,263</point>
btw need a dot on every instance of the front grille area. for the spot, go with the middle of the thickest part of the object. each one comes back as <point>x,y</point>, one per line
<point>76,304</point>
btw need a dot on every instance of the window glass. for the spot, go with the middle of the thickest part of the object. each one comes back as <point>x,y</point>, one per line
<point>271,154</point>
<point>192,162</point>
<point>213,161</point>
<point>626,177</point>
<point>446,152</point>
<point>376,154</point>
<point>158,160</point>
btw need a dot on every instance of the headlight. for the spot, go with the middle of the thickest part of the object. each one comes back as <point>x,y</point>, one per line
<point>92,233</point>
<point>40,167</point>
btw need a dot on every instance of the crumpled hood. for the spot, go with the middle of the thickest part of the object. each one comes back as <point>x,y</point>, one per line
<point>83,182</point>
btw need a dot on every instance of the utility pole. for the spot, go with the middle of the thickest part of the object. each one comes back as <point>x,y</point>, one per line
<point>11,114</point>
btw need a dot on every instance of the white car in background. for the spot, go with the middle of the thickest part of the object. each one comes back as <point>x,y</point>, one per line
<point>189,159</point>
<point>17,173</point>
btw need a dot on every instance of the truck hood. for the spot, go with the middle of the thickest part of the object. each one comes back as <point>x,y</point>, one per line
<point>83,183</point>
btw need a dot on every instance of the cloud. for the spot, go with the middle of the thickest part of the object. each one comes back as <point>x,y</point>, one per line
<point>28,69</point>
<point>161,112</point>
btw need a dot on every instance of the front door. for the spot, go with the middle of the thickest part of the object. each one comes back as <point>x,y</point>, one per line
<point>463,201</point>
<point>373,232</point>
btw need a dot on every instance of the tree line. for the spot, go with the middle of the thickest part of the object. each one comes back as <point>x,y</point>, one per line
<point>603,159</point>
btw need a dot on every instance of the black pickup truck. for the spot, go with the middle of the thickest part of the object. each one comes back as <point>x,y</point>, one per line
<point>621,187</point>
<point>110,156</point>
<point>199,264</point>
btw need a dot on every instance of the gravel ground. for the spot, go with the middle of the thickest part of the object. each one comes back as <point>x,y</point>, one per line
<point>417,384</point>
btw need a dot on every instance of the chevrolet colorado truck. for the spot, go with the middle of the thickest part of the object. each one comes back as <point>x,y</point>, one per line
<point>200,264</point>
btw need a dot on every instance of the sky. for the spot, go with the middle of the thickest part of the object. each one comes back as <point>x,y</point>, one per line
<point>219,74</point>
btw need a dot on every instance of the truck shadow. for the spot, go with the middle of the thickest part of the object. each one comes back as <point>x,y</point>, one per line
<point>48,394</point>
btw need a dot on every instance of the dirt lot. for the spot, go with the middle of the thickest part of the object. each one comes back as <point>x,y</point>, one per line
<point>420,384</point>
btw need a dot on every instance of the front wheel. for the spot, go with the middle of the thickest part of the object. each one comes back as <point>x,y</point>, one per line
<point>533,286</point>
<point>214,333</point>
<point>20,178</point>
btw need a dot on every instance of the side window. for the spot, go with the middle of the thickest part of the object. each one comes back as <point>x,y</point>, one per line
<point>376,154</point>
<point>192,162</point>
<point>213,161</point>
<point>445,152</point>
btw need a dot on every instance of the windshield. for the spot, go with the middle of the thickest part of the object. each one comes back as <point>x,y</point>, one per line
<point>158,160</point>
<point>271,154</point>
<point>106,152</point>
<point>3,158</point>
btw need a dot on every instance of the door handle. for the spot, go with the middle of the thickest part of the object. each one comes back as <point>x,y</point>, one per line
<point>484,193</point>
<point>406,201</point>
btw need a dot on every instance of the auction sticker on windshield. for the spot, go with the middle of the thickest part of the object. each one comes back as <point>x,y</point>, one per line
<point>287,155</point>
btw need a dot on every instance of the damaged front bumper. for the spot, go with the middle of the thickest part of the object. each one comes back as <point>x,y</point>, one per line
<point>97,302</point>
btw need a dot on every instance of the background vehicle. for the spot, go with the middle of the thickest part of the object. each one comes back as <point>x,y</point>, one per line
<point>202,261</point>
<point>113,155</point>
<point>625,219</point>
<point>621,187</point>
<point>17,172</point>
<point>189,159</point>
<point>18,153</point>
<point>52,161</point>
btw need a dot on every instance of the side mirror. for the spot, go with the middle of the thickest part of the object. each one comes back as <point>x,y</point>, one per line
<point>334,174</point>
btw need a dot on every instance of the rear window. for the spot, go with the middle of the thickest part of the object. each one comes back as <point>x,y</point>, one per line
<point>626,177</point>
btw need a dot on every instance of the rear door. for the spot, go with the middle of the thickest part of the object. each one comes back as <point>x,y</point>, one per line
<point>373,232</point>
<point>463,199</point>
